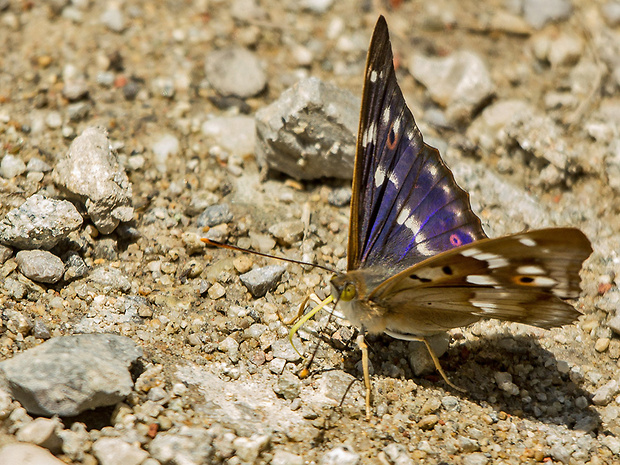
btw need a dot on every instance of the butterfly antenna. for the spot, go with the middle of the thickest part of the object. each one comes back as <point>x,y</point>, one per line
<point>254,252</point>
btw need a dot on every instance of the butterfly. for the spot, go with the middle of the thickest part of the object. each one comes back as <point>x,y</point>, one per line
<point>419,262</point>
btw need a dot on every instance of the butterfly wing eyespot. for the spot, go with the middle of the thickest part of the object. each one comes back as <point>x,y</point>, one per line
<point>348,292</point>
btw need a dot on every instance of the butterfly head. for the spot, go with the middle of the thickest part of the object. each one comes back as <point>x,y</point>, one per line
<point>344,289</point>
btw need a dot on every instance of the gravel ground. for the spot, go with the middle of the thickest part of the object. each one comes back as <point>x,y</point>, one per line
<point>117,110</point>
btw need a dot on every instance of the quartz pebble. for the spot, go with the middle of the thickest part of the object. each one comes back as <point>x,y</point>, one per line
<point>91,172</point>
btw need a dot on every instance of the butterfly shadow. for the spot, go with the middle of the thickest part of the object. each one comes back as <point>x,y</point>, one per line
<point>511,374</point>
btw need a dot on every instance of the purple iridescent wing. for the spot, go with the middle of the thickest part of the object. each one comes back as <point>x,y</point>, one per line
<point>406,205</point>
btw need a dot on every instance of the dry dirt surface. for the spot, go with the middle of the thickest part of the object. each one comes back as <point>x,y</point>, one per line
<point>217,380</point>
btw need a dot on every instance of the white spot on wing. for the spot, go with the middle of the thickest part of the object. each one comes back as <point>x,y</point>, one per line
<point>403,215</point>
<point>481,280</point>
<point>379,176</point>
<point>371,132</point>
<point>385,117</point>
<point>544,281</point>
<point>470,252</point>
<point>373,76</point>
<point>530,269</point>
<point>492,259</point>
<point>396,126</point>
<point>393,179</point>
<point>486,307</point>
<point>526,241</point>
<point>414,226</point>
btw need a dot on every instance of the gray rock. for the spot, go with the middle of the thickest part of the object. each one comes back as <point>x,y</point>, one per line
<point>214,215</point>
<point>40,265</point>
<point>115,451</point>
<point>187,446</point>
<point>11,166</point>
<point>459,82</point>
<point>27,454</point>
<point>287,232</point>
<point>262,280</point>
<point>309,132</point>
<point>540,12</point>
<point>339,197</point>
<point>78,111</point>
<point>42,432</point>
<point>420,360</point>
<point>283,349</point>
<point>611,13</point>
<point>235,134</point>
<point>90,172</point>
<point>75,267</point>
<point>397,454</point>
<point>5,253</point>
<point>614,324</point>
<point>450,403</point>
<point>111,279</point>
<point>40,330</point>
<point>235,71</point>
<point>200,201</point>
<point>39,223</point>
<point>248,449</point>
<point>605,394</point>
<point>341,455</point>
<point>288,386</point>
<point>68,375</point>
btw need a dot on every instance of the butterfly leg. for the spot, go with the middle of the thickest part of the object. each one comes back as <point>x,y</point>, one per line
<point>361,343</point>
<point>438,365</point>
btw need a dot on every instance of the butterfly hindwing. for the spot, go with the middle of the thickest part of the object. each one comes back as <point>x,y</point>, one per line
<point>406,205</point>
<point>521,278</point>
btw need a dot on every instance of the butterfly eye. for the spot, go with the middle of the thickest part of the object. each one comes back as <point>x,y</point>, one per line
<point>348,293</point>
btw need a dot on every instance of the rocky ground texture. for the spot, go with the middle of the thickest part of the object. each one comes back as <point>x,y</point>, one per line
<point>130,130</point>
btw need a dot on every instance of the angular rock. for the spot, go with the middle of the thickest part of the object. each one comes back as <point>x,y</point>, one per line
<point>27,454</point>
<point>235,71</point>
<point>40,265</point>
<point>67,375</point>
<point>39,223</point>
<point>262,280</point>
<point>188,446</point>
<point>309,132</point>
<point>115,451</point>
<point>42,432</point>
<point>90,173</point>
<point>460,82</point>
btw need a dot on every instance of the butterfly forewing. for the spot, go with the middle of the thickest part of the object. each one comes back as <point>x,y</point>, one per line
<point>520,278</point>
<point>406,205</point>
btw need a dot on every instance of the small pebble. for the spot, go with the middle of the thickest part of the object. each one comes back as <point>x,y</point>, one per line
<point>262,280</point>
<point>235,71</point>
<point>11,166</point>
<point>40,266</point>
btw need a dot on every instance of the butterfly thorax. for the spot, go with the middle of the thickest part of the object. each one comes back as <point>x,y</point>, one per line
<point>402,314</point>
